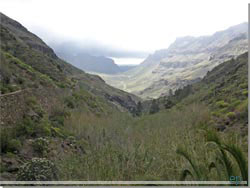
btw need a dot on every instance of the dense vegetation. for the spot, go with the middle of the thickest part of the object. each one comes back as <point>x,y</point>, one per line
<point>72,126</point>
<point>121,148</point>
<point>224,90</point>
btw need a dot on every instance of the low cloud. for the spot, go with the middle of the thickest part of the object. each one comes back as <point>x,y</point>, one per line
<point>62,44</point>
<point>96,49</point>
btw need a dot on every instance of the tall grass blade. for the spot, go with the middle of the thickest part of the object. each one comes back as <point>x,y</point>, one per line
<point>184,174</point>
<point>188,158</point>
<point>240,159</point>
<point>212,137</point>
<point>214,165</point>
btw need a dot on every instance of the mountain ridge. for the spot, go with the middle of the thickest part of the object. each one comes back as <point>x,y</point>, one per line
<point>197,55</point>
<point>89,63</point>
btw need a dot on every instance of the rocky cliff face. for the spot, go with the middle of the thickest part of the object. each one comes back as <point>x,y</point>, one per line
<point>187,60</point>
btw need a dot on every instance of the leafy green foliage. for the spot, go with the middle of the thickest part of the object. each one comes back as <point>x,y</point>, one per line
<point>38,169</point>
<point>224,90</point>
<point>194,166</point>
<point>8,143</point>
<point>231,115</point>
<point>235,152</point>
<point>221,104</point>
<point>223,161</point>
<point>240,159</point>
<point>40,145</point>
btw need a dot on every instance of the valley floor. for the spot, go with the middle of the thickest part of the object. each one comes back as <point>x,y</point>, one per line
<point>119,147</point>
<point>146,148</point>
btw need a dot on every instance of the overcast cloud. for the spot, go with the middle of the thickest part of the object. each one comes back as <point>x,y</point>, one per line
<point>124,27</point>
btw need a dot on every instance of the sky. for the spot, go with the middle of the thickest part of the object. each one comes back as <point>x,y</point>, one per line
<point>140,26</point>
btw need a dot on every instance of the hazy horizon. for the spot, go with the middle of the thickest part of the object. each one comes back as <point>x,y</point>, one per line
<point>127,61</point>
<point>123,29</point>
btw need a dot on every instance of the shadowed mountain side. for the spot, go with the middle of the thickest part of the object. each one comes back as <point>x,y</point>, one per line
<point>93,57</point>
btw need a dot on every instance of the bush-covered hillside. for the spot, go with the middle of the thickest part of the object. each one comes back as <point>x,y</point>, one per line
<point>224,90</point>
<point>39,92</point>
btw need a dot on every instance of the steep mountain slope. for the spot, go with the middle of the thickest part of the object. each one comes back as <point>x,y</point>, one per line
<point>186,61</point>
<point>28,63</point>
<point>89,63</point>
<point>224,90</point>
<point>86,62</point>
<point>39,93</point>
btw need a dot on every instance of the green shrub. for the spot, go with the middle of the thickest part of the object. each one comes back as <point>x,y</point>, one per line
<point>223,110</point>
<point>154,107</point>
<point>92,104</point>
<point>30,128</point>
<point>43,129</point>
<point>243,86</point>
<point>14,145</point>
<point>69,101</point>
<point>8,144</point>
<point>35,106</point>
<point>61,85</point>
<point>243,106</point>
<point>243,110</point>
<point>57,121</point>
<point>245,92</point>
<point>12,88</point>
<point>38,169</point>
<point>57,132</point>
<point>235,103</point>
<point>31,101</point>
<point>25,128</point>
<point>20,80</point>
<point>221,104</point>
<point>40,145</point>
<point>4,139</point>
<point>4,89</point>
<point>216,113</point>
<point>231,115</point>
<point>58,115</point>
<point>71,140</point>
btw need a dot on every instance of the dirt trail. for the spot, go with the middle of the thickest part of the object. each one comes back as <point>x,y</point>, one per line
<point>12,93</point>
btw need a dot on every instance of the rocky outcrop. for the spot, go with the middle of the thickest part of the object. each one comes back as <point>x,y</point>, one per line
<point>125,101</point>
<point>29,38</point>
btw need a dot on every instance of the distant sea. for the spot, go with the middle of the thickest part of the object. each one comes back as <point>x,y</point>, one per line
<point>127,61</point>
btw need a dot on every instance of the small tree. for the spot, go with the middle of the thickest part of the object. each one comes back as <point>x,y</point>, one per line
<point>154,107</point>
<point>139,108</point>
<point>170,92</point>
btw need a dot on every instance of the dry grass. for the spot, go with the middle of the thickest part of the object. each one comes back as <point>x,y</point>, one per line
<point>119,147</point>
